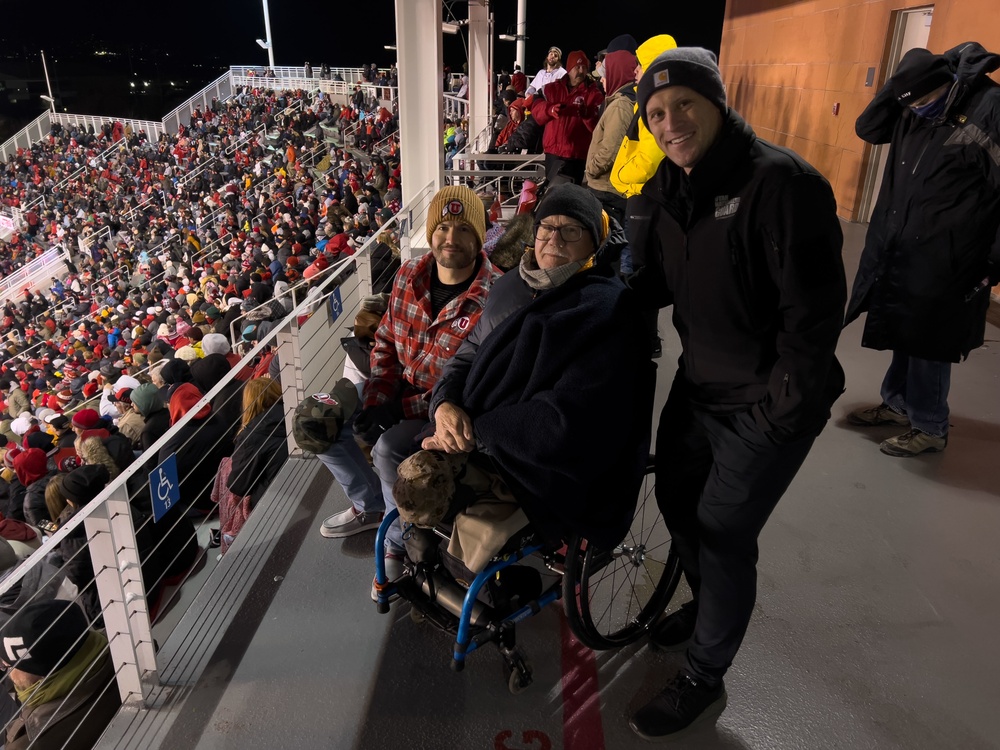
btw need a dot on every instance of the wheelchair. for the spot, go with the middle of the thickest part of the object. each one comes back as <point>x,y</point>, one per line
<point>611,597</point>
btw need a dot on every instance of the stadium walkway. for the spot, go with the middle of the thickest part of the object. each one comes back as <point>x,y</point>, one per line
<point>876,622</point>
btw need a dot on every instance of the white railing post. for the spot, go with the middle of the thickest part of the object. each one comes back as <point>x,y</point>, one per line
<point>290,359</point>
<point>115,554</point>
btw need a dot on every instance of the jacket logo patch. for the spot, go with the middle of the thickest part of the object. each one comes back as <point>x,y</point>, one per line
<point>725,207</point>
<point>462,324</point>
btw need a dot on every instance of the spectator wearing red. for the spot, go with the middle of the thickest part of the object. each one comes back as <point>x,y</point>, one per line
<point>568,113</point>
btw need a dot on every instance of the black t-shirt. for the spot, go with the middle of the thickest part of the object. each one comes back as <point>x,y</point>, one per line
<point>442,294</point>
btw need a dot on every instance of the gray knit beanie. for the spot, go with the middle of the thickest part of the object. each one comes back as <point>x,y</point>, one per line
<point>694,67</point>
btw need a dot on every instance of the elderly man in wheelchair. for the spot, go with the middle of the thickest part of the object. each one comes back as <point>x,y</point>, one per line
<point>540,447</point>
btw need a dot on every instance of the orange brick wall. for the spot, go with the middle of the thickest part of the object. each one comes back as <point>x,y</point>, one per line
<point>786,63</point>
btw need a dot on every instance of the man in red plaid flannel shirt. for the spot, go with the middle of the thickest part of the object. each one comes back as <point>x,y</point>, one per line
<point>436,300</point>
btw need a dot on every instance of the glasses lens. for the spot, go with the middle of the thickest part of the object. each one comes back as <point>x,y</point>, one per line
<point>543,232</point>
<point>570,232</point>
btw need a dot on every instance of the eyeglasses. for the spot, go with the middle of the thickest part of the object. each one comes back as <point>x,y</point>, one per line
<point>568,232</point>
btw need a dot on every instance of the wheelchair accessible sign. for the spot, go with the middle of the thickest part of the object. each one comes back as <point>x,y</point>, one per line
<point>164,489</point>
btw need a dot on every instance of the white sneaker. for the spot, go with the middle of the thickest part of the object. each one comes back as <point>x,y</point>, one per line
<point>349,522</point>
<point>394,570</point>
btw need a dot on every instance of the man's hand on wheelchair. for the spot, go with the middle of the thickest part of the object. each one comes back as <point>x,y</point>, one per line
<point>453,431</point>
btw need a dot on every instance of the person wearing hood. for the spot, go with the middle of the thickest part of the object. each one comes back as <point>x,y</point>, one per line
<point>933,246</point>
<point>200,445</point>
<point>33,471</point>
<point>146,401</point>
<point>175,373</point>
<point>208,372</point>
<point>638,155</point>
<point>619,83</point>
<point>13,495</point>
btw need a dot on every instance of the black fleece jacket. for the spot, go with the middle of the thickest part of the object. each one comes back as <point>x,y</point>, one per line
<point>747,249</point>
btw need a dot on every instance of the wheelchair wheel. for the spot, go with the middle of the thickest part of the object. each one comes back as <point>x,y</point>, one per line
<point>612,597</point>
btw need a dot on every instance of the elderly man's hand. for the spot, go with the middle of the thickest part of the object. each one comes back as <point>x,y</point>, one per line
<point>453,431</point>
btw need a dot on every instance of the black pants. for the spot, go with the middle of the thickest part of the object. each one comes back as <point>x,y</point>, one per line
<point>559,171</point>
<point>718,477</point>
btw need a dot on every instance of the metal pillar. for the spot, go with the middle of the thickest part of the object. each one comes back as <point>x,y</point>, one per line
<point>115,554</point>
<point>480,75</point>
<point>269,44</point>
<point>421,92</point>
<point>48,85</point>
<point>522,31</point>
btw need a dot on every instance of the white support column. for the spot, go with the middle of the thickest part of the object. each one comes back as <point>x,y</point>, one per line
<point>120,589</point>
<point>292,388</point>
<point>480,75</point>
<point>421,66</point>
<point>522,32</point>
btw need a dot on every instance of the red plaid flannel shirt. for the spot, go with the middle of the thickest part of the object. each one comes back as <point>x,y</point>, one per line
<point>411,347</point>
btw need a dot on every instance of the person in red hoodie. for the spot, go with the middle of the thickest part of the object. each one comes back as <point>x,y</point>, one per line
<point>568,113</point>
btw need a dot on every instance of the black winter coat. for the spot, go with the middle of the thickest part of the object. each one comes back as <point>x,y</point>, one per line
<point>200,446</point>
<point>937,219</point>
<point>532,390</point>
<point>747,249</point>
<point>261,451</point>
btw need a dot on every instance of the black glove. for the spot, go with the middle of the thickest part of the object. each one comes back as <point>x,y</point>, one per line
<point>375,420</point>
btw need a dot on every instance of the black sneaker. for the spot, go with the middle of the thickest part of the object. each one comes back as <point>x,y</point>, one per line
<point>674,631</point>
<point>684,704</point>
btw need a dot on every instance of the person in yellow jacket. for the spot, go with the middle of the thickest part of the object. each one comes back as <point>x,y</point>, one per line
<point>639,156</point>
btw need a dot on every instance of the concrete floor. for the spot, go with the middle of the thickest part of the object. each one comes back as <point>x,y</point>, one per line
<point>876,622</point>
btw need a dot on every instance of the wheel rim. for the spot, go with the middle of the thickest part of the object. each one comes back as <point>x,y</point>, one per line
<point>623,590</point>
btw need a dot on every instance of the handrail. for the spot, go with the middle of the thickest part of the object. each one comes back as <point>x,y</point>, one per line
<point>150,127</point>
<point>185,106</point>
<point>25,131</point>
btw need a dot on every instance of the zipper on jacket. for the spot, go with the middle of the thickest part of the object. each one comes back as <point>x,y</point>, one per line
<point>777,250</point>
<point>922,152</point>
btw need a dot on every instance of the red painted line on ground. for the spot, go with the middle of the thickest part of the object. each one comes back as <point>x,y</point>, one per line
<point>583,728</point>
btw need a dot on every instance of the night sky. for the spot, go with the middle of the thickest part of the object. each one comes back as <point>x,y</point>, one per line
<point>191,44</point>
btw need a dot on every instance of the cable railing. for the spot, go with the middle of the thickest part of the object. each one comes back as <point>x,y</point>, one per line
<point>145,542</point>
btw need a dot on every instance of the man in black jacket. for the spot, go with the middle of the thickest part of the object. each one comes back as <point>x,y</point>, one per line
<point>742,238</point>
<point>933,246</point>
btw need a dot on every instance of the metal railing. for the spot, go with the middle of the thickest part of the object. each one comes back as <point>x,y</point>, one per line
<point>455,108</point>
<point>221,89</point>
<point>122,541</point>
<point>152,128</point>
<point>34,274</point>
<point>33,132</point>
<point>385,95</point>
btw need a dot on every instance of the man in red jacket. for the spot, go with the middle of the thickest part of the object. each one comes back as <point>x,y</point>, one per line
<point>569,112</point>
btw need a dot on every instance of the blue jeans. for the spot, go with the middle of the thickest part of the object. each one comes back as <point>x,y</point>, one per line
<point>918,388</point>
<point>396,444</point>
<point>351,469</point>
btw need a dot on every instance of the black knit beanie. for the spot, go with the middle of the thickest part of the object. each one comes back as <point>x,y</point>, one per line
<point>623,43</point>
<point>82,485</point>
<point>577,203</point>
<point>694,67</point>
<point>919,73</point>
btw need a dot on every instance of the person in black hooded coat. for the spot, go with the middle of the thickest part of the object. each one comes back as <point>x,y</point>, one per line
<point>206,373</point>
